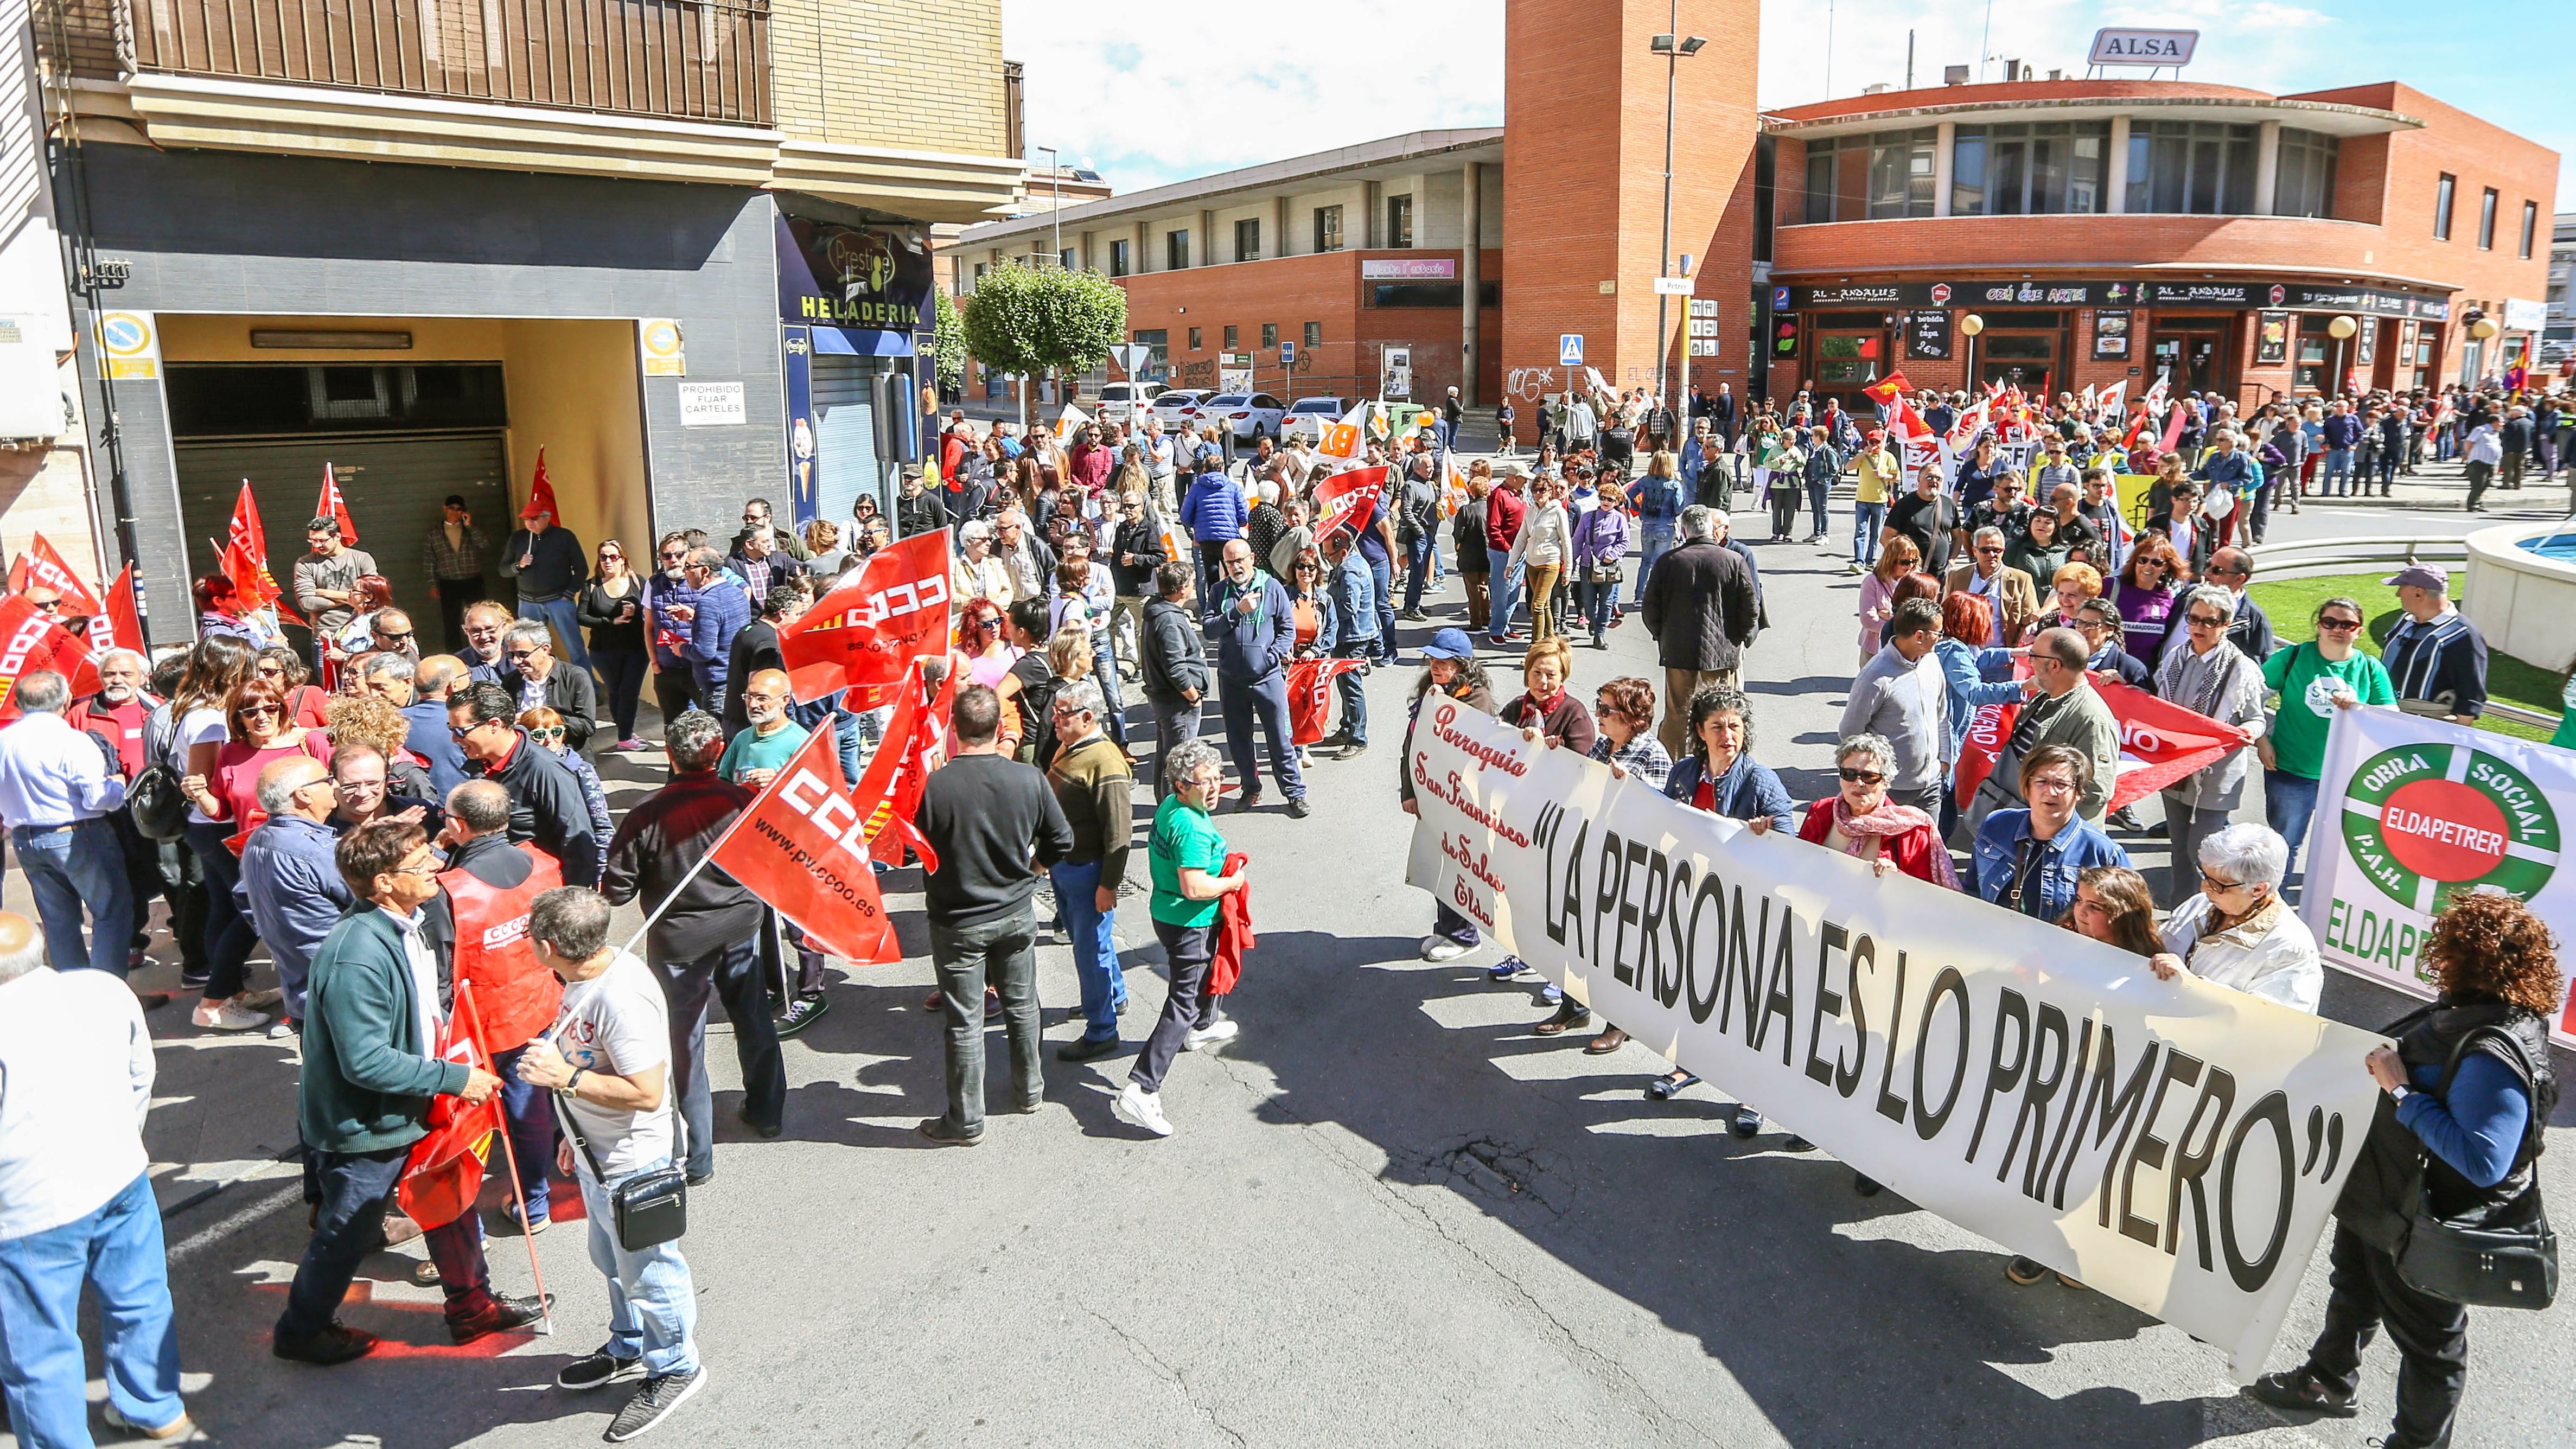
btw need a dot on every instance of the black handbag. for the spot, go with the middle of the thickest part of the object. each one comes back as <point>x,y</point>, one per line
<point>154,802</point>
<point>649,1208</point>
<point>2509,1262</point>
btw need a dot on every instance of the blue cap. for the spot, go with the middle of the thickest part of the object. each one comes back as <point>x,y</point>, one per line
<point>1449,644</point>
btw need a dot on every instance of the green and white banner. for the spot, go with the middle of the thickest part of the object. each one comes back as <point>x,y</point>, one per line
<point>2176,1145</point>
<point>2412,810</point>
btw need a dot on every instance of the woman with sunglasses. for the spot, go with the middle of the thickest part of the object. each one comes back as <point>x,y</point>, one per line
<point>546,727</point>
<point>2148,589</point>
<point>2207,674</point>
<point>611,605</point>
<point>218,665</point>
<point>307,704</point>
<point>222,786</point>
<point>2314,678</point>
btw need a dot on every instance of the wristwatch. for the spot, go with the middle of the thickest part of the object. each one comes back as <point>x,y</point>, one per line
<point>572,1084</point>
<point>2400,1093</point>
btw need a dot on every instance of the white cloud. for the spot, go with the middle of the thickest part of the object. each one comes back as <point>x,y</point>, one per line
<point>1157,93</point>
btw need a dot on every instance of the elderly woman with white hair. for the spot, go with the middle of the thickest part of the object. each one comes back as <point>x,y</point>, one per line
<point>976,574</point>
<point>2236,931</point>
<point>2205,673</point>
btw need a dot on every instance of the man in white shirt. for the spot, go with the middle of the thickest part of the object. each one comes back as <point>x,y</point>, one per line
<point>76,1205</point>
<point>608,1064</point>
<point>57,789</point>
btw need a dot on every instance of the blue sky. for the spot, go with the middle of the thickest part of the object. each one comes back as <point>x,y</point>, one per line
<point>1150,95</point>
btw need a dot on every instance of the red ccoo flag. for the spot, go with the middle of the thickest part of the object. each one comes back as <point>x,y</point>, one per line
<point>444,1173</point>
<point>30,641</point>
<point>1310,695</point>
<point>890,790</point>
<point>1349,500</point>
<point>541,493</point>
<point>801,845</point>
<point>873,624</point>
<point>124,621</point>
<point>335,506</point>
<point>245,560</point>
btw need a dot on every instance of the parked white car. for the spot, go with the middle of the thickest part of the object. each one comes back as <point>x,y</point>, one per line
<point>1179,407</point>
<point>1309,414</point>
<point>1120,401</point>
<point>1250,415</point>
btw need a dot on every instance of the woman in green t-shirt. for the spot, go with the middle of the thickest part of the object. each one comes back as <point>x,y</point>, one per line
<point>1187,858</point>
<point>2314,679</point>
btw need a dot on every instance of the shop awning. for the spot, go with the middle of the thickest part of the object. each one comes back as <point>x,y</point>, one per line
<point>862,342</point>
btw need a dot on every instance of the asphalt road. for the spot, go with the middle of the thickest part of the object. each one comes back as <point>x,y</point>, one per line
<point>1390,1216</point>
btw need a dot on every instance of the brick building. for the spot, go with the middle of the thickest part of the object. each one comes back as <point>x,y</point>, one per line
<point>2096,229</point>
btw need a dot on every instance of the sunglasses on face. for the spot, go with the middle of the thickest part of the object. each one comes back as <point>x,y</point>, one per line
<point>50,605</point>
<point>269,671</point>
<point>2340,626</point>
<point>673,557</point>
<point>522,656</point>
<point>1859,777</point>
<point>543,733</point>
<point>389,634</point>
<point>2204,621</point>
<point>260,711</point>
<point>610,556</point>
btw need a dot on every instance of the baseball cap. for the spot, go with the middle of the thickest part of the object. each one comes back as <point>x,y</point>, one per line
<point>1449,644</point>
<point>455,500</point>
<point>2422,576</point>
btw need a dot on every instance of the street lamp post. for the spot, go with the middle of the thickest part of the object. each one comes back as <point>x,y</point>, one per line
<point>1969,327</point>
<point>1672,46</point>
<point>1055,199</point>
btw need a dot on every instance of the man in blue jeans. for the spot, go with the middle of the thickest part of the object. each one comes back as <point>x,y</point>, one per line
<point>1354,617</point>
<point>548,563</point>
<point>76,1206</point>
<point>1256,632</point>
<point>57,789</point>
<point>1659,501</point>
<point>1094,788</point>
<point>2342,434</point>
<point>1505,508</point>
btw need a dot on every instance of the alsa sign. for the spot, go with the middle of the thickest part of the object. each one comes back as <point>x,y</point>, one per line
<point>2143,47</point>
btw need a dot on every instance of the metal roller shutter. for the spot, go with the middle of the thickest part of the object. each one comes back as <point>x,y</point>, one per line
<point>394,497</point>
<point>845,437</point>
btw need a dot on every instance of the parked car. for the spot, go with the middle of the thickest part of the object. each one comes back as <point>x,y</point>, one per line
<point>1178,407</point>
<point>1119,401</point>
<point>1309,414</point>
<point>1251,415</point>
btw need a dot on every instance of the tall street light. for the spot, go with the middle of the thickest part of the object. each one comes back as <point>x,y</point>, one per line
<point>1672,47</point>
<point>1055,199</point>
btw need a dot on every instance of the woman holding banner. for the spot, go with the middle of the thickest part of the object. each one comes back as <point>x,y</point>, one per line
<point>2206,674</point>
<point>2148,587</point>
<point>2237,932</point>
<point>2471,1086</point>
<point>2314,680</point>
<point>1450,671</point>
<point>1625,710</point>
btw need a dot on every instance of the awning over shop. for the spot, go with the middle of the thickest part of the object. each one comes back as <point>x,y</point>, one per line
<point>862,342</point>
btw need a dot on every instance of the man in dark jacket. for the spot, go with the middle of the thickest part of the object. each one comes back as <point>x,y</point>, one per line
<point>420,691</point>
<point>370,1069</point>
<point>756,649</point>
<point>537,678</point>
<point>1700,607</point>
<point>988,817</point>
<point>549,565</point>
<point>1475,566</point>
<point>705,941</point>
<point>546,800</point>
<point>918,509</point>
<point>755,520</point>
<point>289,886</point>
<point>1255,629</point>
<point>1172,663</point>
<point>709,613</point>
<point>762,565</point>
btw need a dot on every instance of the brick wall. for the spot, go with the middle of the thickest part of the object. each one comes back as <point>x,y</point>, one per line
<point>918,75</point>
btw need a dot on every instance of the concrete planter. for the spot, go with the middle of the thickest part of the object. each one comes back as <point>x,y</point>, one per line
<point>2523,602</point>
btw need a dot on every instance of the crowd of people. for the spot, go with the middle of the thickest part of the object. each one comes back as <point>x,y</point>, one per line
<point>366,813</point>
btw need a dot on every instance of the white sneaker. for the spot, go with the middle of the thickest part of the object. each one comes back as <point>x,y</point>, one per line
<point>1138,1107</point>
<point>1441,948</point>
<point>280,1029</point>
<point>261,1000</point>
<point>227,1016</point>
<point>1225,1029</point>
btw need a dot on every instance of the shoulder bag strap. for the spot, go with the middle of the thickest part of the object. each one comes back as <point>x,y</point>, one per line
<point>679,1131</point>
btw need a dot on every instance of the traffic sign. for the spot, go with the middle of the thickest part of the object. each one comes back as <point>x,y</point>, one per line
<point>1674,286</point>
<point>1569,349</point>
<point>1133,358</point>
<point>1287,353</point>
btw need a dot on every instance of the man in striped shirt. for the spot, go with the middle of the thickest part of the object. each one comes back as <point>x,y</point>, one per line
<point>2436,658</point>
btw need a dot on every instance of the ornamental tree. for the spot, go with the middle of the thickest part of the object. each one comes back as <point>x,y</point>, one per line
<point>1029,321</point>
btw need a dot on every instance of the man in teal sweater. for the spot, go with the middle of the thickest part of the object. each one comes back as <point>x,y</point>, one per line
<point>370,1068</point>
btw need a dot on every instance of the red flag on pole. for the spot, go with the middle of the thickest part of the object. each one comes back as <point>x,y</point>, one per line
<point>444,1173</point>
<point>2160,742</point>
<point>334,506</point>
<point>124,621</point>
<point>42,566</point>
<point>245,560</point>
<point>873,624</point>
<point>1349,500</point>
<point>801,845</point>
<point>1888,389</point>
<point>29,641</point>
<point>541,493</point>
<point>1310,695</point>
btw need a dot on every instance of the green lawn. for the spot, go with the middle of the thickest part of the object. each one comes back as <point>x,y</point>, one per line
<point>2292,603</point>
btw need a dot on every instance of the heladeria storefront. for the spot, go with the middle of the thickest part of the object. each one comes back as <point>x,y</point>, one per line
<point>854,321</point>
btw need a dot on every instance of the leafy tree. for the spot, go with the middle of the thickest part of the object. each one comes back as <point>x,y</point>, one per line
<point>1030,321</point>
<point>948,342</point>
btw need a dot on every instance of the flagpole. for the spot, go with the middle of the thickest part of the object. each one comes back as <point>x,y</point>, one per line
<point>681,885</point>
<point>519,1195</point>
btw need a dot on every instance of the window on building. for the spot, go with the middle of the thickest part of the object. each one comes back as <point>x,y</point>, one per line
<point>2443,195</point>
<point>2029,169</point>
<point>1231,339</point>
<point>1269,334</point>
<point>1900,173</point>
<point>1194,339</point>
<point>2486,220</point>
<point>1176,250</point>
<point>979,270</point>
<point>1399,221</point>
<point>2530,226</point>
<point>1065,258</point>
<point>2205,168</point>
<point>1766,182</point>
<point>1838,179</point>
<point>1328,228</point>
<point>2306,181</point>
<point>1158,342</point>
<point>1314,334</point>
<point>1247,239</point>
<point>1119,262</point>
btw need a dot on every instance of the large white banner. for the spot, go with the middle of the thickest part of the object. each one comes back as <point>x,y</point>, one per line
<point>2175,1145</point>
<point>2411,810</point>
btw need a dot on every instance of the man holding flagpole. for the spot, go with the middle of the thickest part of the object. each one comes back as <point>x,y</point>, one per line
<point>549,565</point>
